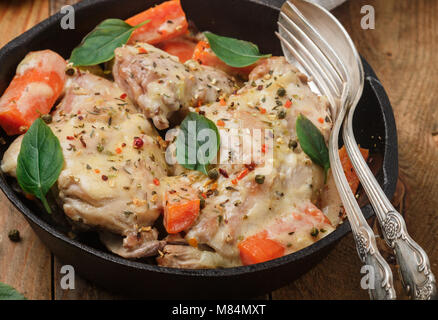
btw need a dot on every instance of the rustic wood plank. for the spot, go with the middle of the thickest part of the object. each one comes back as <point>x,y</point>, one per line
<point>56,5</point>
<point>402,50</point>
<point>24,265</point>
<point>19,16</point>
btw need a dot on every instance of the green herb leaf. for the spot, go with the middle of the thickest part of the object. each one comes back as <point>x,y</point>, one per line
<point>99,45</point>
<point>234,52</point>
<point>9,293</point>
<point>40,161</point>
<point>312,142</point>
<point>197,143</point>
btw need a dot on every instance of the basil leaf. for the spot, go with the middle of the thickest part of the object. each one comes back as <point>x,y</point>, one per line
<point>234,52</point>
<point>40,161</point>
<point>312,142</point>
<point>9,293</point>
<point>197,143</point>
<point>99,45</point>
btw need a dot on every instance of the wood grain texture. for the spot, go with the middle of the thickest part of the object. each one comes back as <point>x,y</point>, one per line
<point>24,265</point>
<point>56,5</point>
<point>18,16</point>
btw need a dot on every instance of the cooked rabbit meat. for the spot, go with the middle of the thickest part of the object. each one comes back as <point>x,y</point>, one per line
<point>237,207</point>
<point>160,85</point>
<point>112,158</point>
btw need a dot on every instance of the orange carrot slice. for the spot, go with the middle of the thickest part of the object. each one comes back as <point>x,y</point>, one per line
<point>258,248</point>
<point>179,213</point>
<point>38,83</point>
<point>167,21</point>
<point>182,48</point>
<point>205,56</point>
<point>352,178</point>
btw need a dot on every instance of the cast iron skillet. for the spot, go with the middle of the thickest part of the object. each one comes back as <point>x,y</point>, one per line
<point>253,20</point>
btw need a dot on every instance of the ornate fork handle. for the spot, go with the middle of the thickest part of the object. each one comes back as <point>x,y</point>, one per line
<point>380,276</point>
<point>415,271</point>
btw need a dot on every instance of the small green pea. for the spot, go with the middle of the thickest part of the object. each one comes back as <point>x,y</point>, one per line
<point>260,179</point>
<point>281,92</point>
<point>213,174</point>
<point>314,232</point>
<point>281,114</point>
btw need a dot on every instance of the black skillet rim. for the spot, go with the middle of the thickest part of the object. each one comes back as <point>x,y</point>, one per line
<point>389,166</point>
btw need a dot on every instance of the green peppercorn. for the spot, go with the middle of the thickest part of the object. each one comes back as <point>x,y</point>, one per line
<point>281,114</point>
<point>47,118</point>
<point>281,92</point>
<point>293,144</point>
<point>260,179</point>
<point>213,174</point>
<point>70,72</point>
<point>14,235</point>
<point>314,232</point>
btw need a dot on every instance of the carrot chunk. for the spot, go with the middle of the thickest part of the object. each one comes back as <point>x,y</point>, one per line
<point>312,210</point>
<point>258,248</point>
<point>181,48</point>
<point>352,178</point>
<point>33,91</point>
<point>205,56</point>
<point>180,215</point>
<point>167,21</point>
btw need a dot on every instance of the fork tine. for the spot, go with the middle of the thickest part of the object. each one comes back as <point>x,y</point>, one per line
<point>320,42</point>
<point>333,77</point>
<point>309,63</point>
<point>309,66</point>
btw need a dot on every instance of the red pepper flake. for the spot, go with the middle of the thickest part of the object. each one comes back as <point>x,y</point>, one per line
<point>138,143</point>
<point>142,50</point>
<point>200,103</point>
<point>288,104</point>
<point>262,110</point>
<point>123,96</point>
<point>96,170</point>
<point>156,182</point>
<point>118,150</point>
<point>242,174</point>
<point>79,111</point>
<point>104,177</point>
<point>234,181</point>
<point>123,145</point>
<point>222,102</point>
<point>223,172</point>
<point>264,148</point>
<point>70,138</point>
<point>204,195</point>
<point>221,123</point>
<point>321,120</point>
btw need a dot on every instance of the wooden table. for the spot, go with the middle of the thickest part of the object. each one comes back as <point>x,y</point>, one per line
<point>403,52</point>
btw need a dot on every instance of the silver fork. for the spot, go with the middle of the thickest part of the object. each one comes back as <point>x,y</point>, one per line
<point>417,277</point>
<point>345,63</point>
<point>308,45</point>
